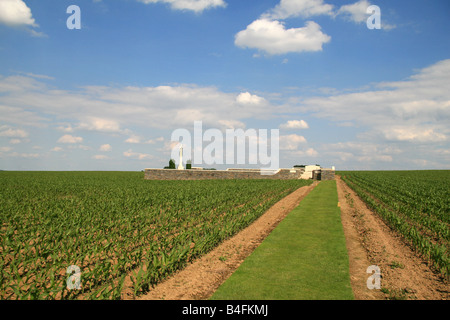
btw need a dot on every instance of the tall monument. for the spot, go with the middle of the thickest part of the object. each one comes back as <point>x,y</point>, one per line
<point>180,164</point>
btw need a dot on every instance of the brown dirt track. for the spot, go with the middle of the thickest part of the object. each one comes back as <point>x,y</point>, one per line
<point>404,275</point>
<point>369,242</point>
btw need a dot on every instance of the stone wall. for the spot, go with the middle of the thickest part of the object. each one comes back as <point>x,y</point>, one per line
<point>327,174</point>
<point>323,174</point>
<point>172,174</point>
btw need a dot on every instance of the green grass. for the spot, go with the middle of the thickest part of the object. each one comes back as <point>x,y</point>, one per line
<point>304,258</point>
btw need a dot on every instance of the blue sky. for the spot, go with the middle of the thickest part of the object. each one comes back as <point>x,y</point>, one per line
<point>108,96</point>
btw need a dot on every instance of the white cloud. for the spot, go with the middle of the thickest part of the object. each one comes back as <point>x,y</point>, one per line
<point>247,98</point>
<point>299,8</point>
<point>22,83</point>
<point>16,133</point>
<point>294,124</point>
<point>291,142</point>
<point>24,155</point>
<point>137,139</point>
<point>137,155</point>
<point>414,110</point>
<point>57,149</point>
<point>67,129</point>
<point>100,157</point>
<point>82,147</point>
<point>272,37</point>
<point>15,13</point>
<point>133,139</point>
<point>100,124</point>
<point>355,12</point>
<point>193,5</point>
<point>15,141</point>
<point>153,141</point>
<point>115,110</point>
<point>231,124</point>
<point>5,149</point>
<point>105,147</point>
<point>18,115</point>
<point>363,152</point>
<point>70,139</point>
<point>413,133</point>
<point>309,152</point>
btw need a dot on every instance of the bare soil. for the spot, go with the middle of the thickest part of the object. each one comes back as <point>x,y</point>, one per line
<point>200,279</point>
<point>404,274</point>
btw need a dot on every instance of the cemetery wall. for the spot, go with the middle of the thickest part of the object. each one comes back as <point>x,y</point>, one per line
<point>173,174</point>
<point>327,174</point>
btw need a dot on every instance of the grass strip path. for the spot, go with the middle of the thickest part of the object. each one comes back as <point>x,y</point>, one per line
<point>304,258</point>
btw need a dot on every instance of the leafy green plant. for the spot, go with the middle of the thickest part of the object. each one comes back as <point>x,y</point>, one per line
<point>414,203</point>
<point>115,224</point>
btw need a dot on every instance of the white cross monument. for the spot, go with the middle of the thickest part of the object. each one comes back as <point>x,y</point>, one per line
<point>180,164</point>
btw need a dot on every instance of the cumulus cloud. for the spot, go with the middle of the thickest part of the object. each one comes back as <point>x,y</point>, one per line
<point>5,149</point>
<point>24,155</point>
<point>16,13</point>
<point>358,12</point>
<point>100,157</point>
<point>414,110</point>
<point>355,12</point>
<point>133,139</point>
<point>105,147</point>
<point>304,153</point>
<point>291,141</point>
<point>100,124</point>
<point>67,128</point>
<point>413,133</point>
<point>70,139</point>
<point>272,37</point>
<point>12,133</point>
<point>114,110</point>
<point>192,5</point>
<point>137,155</point>
<point>20,83</point>
<point>294,124</point>
<point>295,8</point>
<point>246,98</point>
<point>15,141</point>
<point>363,152</point>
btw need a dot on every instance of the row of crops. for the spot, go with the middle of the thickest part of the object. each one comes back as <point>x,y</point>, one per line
<point>415,203</point>
<point>109,227</point>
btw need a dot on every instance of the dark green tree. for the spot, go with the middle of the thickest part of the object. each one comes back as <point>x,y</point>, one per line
<point>171,164</point>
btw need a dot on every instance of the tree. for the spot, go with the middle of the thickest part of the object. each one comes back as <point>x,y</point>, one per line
<point>171,164</point>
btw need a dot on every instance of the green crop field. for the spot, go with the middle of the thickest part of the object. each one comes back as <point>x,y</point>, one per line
<point>110,225</point>
<point>414,203</point>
